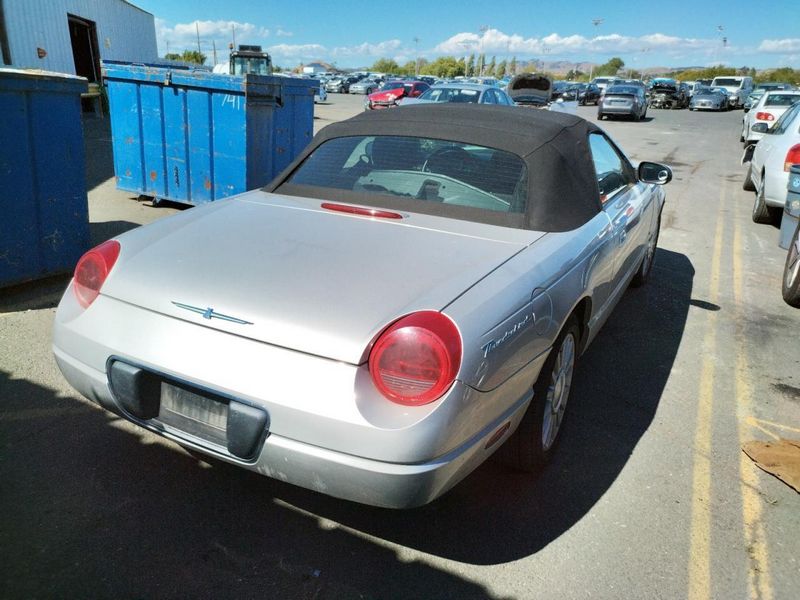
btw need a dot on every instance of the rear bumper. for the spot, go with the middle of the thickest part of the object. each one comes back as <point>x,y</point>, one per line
<point>327,429</point>
<point>617,110</point>
<point>354,478</point>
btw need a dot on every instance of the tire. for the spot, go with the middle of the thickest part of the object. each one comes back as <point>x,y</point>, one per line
<point>791,272</point>
<point>599,116</point>
<point>646,266</point>
<point>533,443</point>
<point>637,117</point>
<point>761,212</point>
<point>747,184</point>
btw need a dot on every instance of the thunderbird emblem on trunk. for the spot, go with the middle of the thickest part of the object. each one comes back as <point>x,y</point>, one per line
<point>209,313</point>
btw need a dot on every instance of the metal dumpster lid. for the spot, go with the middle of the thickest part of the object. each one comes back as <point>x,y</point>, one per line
<point>250,85</point>
<point>41,79</point>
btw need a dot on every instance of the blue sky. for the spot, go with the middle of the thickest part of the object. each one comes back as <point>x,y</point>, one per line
<point>355,33</point>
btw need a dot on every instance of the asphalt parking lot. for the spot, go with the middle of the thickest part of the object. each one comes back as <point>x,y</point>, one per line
<point>648,497</point>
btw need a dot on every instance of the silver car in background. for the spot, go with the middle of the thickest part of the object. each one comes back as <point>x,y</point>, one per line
<point>411,294</point>
<point>623,101</point>
<point>461,93</point>
<point>706,98</point>
<point>365,86</point>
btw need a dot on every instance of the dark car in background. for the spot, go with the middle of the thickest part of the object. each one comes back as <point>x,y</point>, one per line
<point>588,93</point>
<point>623,101</point>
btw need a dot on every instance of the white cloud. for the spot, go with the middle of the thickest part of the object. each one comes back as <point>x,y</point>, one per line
<point>786,46</point>
<point>494,41</point>
<point>281,32</point>
<point>183,36</point>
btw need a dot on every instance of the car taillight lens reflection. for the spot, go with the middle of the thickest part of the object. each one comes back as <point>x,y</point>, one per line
<point>764,116</point>
<point>416,360</point>
<point>92,270</point>
<point>792,157</point>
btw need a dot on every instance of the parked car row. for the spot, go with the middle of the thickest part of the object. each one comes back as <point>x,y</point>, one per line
<point>771,134</point>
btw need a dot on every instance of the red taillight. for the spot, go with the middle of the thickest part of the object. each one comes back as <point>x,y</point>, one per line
<point>764,116</point>
<point>792,157</point>
<point>416,360</point>
<point>361,211</point>
<point>92,270</point>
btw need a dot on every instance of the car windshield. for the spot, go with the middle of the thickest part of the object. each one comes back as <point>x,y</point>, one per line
<point>391,85</point>
<point>727,82</point>
<point>418,169</point>
<point>451,95</point>
<point>781,99</point>
<point>622,89</point>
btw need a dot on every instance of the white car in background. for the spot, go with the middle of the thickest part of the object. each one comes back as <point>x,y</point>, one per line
<point>770,161</point>
<point>767,110</point>
<point>738,88</point>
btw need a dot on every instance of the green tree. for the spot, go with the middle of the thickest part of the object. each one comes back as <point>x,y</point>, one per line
<point>408,69</point>
<point>481,64</point>
<point>489,71</point>
<point>172,56</point>
<point>470,70</point>
<point>612,67</point>
<point>512,66</point>
<point>193,56</point>
<point>385,65</point>
<point>445,66</point>
<point>500,70</point>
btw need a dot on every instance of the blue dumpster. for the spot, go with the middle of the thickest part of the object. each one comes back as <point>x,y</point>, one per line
<point>45,224</point>
<point>194,136</point>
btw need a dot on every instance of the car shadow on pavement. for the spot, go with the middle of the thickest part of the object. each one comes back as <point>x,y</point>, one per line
<point>98,508</point>
<point>94,508</point>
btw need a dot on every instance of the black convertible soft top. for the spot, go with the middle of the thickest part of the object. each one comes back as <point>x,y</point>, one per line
<point>563,192</point>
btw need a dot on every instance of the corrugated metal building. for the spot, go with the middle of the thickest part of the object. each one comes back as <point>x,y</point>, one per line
<point>71,36</point>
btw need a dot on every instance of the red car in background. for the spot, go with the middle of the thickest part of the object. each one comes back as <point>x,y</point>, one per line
<point>392,91</point>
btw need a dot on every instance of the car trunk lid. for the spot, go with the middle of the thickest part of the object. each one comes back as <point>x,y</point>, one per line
<point>285,271</point>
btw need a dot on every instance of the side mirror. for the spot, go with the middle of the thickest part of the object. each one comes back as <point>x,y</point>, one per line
<point>650,172</point>
<point>760,128</point>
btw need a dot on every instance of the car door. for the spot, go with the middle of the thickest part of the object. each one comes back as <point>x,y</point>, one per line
<point>627,203</point>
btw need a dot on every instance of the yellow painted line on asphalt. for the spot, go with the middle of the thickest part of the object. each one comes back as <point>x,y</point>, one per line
<point>758,576</point>
<point>700,532</point>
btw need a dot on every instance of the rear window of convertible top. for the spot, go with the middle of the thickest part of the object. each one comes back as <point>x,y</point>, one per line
<point>419,169</point>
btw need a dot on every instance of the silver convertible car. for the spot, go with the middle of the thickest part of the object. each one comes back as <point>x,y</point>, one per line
<point>411,294</point>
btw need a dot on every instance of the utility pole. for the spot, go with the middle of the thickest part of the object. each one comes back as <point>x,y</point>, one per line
<point>197,30</point>
<point>214,47</point>
<point>233,35</point>
<point>597,21</point>
<point>483,29</point>
<point>416,56</point>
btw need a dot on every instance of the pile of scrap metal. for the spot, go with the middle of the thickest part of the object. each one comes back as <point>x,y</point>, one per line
<point>665,93</point>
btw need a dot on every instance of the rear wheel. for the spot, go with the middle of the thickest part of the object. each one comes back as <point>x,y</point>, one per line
<point>599,116</point>
<point>761,212</point>
<point>535,440</point>
<point>791,272</point>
